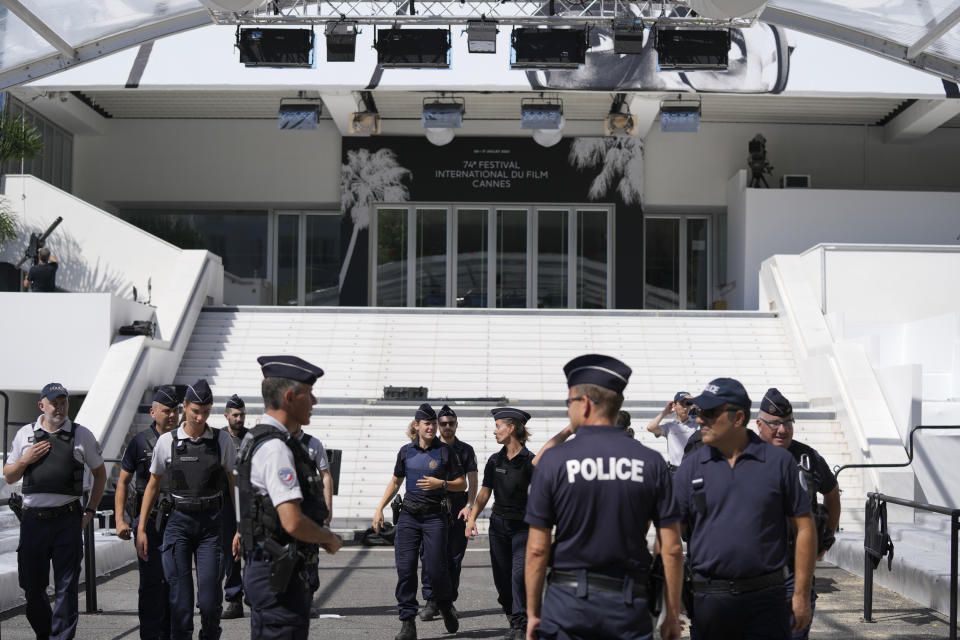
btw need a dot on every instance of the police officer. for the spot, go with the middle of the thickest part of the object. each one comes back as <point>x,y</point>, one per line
<point>737,493</point>
<point>677,431</point>
<point>153,603</point>
<point>198,460</point>
<point>281,504</point>
<point>601,490</point>
<point>50,455</point>
<point>507,476</point>
<point>318,457</point>
<point>623,421</point>
<point>430,469</point>
<point>461,502</point>
<point>236,413</point>
<point>775,425</point>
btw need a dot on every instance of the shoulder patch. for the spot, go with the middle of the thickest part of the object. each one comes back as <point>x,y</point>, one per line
<point>433,464</point>
<point>287,476</point>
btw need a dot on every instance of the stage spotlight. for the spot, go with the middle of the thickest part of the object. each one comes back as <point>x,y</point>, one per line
<point>541,115</point>
<point>680,117</point>
<point>413,48</point>
<point>620,124</point>
<point>439,120</point>
<point>481,36</point>
<point>341,41</point>
<point>692,49</point>
<point>628,35</point>
<point>365,123</point>
<point>275,47</point>
<point>535,48</point>
<point>299,114</point>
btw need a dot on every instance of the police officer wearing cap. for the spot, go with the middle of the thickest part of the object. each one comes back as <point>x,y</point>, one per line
<point>775,425</point>
<point>50,456</point>
<point>235,413</point>
<point>430,469</point>
<point>199,461</point>
<point>318,456</point>
<point>507,477</point>
<point>282,508</point>
<point>739,495</point>
<point>461,502</point>
<point>678,431</point>
<point>153,603</point>
<point>600,490</point>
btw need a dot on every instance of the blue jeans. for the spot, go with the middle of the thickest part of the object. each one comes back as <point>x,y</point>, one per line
<point>189,536</point>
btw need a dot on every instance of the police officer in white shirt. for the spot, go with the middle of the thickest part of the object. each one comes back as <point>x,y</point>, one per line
<point>50,455</point>
<point>282,508</point>
<point>676,431</point>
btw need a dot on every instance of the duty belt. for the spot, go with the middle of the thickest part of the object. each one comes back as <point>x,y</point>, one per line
<point>421,508</point>
<point>508,513</point>
<point>48,513</point>
<point>597,582</point>
<point>735,586</point>
<point>198,504</point>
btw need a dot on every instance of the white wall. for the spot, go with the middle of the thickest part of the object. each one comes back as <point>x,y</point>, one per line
<point>207,161</point>
<point>59,336</point>
<point>789,221</point>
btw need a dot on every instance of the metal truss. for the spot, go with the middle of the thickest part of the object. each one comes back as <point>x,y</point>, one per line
<point>545,12</point>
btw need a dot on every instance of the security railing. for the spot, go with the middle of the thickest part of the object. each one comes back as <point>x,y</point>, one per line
<point>891,465</point>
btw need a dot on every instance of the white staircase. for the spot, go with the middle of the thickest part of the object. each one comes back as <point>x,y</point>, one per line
<point>476,360</point>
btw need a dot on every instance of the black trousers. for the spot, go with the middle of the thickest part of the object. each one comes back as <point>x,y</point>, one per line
<point>758,615</point>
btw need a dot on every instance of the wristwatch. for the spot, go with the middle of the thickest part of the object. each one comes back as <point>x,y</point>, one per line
<point>444,484</point>
<point>89,510</point>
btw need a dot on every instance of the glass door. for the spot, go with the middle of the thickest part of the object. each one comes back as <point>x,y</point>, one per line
<point>676,263</point>
<point>306,258</point>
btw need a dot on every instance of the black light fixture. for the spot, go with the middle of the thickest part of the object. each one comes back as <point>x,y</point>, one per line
<point>628,35</point>
<point>691,49</point>
<point>536,48</point>
<point>299,114</point>
<point>481,36</point>
<point>275,47</point>
<point>341,41</point>
<point>413,48</point>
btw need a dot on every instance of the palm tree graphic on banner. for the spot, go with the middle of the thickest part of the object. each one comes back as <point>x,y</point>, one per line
<point>621,160</point>
<point>368,177</point>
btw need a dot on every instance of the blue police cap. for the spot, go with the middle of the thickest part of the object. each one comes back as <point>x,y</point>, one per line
<point>722,391</point>
<point>775,404</point>
<point>425,412</point>
<point>680,395</point>
<point>510,412</point>
<point>289,367</point>
<point>235,402</point>
<point>446,411</point>
<point>602,371</point>
<point>53,390</point>
<point>166,394</point>
<point>199,393</point>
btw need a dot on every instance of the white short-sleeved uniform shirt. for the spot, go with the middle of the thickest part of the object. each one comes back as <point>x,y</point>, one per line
<point>272,471</point>
<point>316,452</point>
<point>86,449</point>
<point>163,451</point>
<point>677,433</point>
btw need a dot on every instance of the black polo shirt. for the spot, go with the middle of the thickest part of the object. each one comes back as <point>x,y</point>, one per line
<point>743,529</point>
<point>509,479</point>
<point>819,469</point>
<point>601,490</point>
<point>43,277</point>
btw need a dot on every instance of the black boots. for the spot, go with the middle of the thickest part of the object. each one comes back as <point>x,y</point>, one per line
<point>408,630</point>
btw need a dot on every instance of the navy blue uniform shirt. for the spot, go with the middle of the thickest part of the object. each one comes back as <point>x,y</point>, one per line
<point>743,532</point>
<point>438,460</point>
<point>826,481</point>
<point>509,480</point>
<point>600,490</point>
<point>135,454</point>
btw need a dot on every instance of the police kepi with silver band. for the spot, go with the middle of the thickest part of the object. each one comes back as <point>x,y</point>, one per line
<point>280,492</point>
<point>737,494</point>
<point>600,490</point>
<point>50,455</point>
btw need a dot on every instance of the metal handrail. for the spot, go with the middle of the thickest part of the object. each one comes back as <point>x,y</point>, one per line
<point>954,535</point>
<point>891,465</point>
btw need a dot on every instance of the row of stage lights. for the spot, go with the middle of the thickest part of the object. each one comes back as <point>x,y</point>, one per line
<point>531,47</point>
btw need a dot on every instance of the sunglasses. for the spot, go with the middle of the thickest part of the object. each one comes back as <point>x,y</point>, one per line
<point>448,423</point>
<point>716,412</point>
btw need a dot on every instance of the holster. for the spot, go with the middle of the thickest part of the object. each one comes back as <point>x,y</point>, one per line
<point>686,593</point>
<point>16,505</point>
<point>395,507</point>
<point>163,513</point>
<point>283,563</point>
<point>656,580</point>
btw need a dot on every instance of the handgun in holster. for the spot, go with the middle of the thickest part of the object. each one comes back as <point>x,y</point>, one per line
<point>16,505</point>
<point>164,507</point>
<point>446,506</point>
<point>395,507</point>
<point>283,562</point>
<point>686,592</point>
<point>656,585</point>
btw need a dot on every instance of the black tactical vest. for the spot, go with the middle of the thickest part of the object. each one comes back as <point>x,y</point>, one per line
<point>195,470</point>
<point>142,475</point>
<point>58,471</point>
<point>259,519</point>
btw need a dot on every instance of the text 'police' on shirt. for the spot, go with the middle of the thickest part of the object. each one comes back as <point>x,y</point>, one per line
<point>616,469</point>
